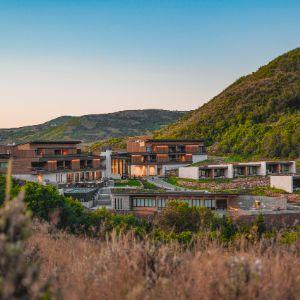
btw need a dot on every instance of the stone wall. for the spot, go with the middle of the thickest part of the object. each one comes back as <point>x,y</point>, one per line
<point>247,202</point>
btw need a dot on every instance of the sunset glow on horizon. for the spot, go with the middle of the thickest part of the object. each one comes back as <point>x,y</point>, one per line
<point>91,57</point>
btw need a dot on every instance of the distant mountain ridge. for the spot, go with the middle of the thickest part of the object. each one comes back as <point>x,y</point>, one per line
<point>258,115</point>
<point>91,128</point>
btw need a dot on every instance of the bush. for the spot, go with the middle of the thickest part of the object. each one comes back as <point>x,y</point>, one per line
<point>66,213</point>
<point>19,276</point>
<point>289,237</point>
<point>179,217</point>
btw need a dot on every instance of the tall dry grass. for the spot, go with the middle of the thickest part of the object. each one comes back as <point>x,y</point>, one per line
<point>125,268</point>
<point>19,272</point>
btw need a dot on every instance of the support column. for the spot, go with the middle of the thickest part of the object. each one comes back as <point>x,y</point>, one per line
<point>263,168</point>
<point>230,173</point>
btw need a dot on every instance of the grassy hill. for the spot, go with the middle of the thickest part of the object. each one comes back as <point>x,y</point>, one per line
<point>258,115</point>
<point>111,143</point>
<point>92,128</point>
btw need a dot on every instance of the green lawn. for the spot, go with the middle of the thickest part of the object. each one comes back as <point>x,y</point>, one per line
<point>128,182</point>
<point>174,180</point>
<point>257,191</point>
<point>149,186</point>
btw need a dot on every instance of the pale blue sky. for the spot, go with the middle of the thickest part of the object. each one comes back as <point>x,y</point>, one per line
<point>75,57</point>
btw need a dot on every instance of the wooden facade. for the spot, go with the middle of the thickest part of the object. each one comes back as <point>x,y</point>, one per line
<point>154,156</point>
<point>38,158</point>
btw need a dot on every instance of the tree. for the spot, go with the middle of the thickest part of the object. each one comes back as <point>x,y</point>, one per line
<point>178,217</point>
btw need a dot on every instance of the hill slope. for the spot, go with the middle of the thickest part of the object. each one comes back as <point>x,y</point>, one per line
<point>258,115</point>
<point>91,128</point>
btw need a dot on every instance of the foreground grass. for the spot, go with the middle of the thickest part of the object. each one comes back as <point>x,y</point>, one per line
<point>123,267</point>
<point>124,260</point>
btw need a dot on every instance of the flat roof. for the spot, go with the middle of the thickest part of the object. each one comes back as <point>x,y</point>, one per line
<point>279,161</point>
<point>49,142</point>
<point>172,193</point>
<point>295,175</point>
<point>175,140</point>
<point>209,167</point>
<point>70,156</point>
<point>80,190</point>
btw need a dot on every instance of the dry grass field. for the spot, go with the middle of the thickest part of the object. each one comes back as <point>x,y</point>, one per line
<point>123,267</point>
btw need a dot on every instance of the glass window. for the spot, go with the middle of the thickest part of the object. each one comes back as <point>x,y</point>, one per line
<point>207,203</point>
<point>3,165</point>
<point>161,203</point>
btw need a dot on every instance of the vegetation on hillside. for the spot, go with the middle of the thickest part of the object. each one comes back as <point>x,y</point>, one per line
<point>253,185</point>
<point>258,115</point>
<point>111,144</point>
<point>91,128</point>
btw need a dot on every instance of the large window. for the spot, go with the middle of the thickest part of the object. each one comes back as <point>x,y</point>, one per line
<point>144,202</point>
<point>285,168</point>
<point>238,171</point>
<point>57,152</point>
<point>161,203</point>
<point>202,150</point>
<point>203,203</point>
<point>118,203</point>
<point>252,170</point>
<point>204,173</point>
<point>272,169</point>
<point>70,177</point>
<point>3,165</point>
<point>219,173</point>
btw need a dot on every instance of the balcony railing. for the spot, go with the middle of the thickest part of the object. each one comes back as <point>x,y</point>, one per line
<point>199,152</point>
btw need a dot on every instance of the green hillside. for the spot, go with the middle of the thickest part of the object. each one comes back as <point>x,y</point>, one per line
<point>258,115</point>
<point>92,128</point>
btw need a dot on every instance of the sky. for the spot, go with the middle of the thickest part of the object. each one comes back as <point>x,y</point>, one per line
<point>77,57</point>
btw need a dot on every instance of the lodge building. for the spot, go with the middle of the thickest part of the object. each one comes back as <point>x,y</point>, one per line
<point>148,203</point>
<point>232,170</point>
<point>51,162</point>
<point>154,157</point>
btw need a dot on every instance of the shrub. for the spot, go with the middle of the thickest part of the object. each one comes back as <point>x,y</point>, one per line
<point>19,276</point>
<point>178,217</point>
<point>289,237</point>
<point>66,213</point>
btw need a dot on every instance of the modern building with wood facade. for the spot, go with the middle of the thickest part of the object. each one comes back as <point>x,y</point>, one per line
<point>232,170</point>
<point>51,162</point>
<point>154,157</point>
<point>147,203</point>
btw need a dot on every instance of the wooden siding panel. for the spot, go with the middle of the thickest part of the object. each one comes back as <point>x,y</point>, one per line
<point>75,164</point>
<point>162,158</point>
